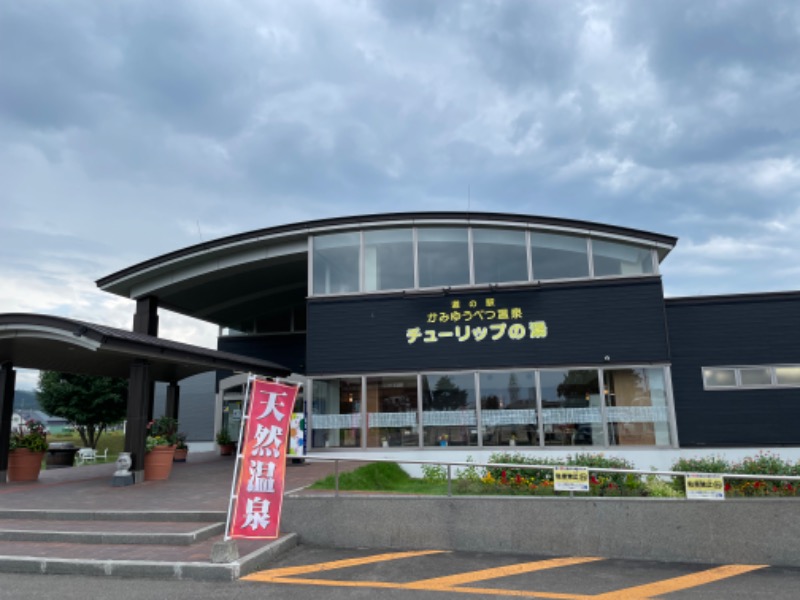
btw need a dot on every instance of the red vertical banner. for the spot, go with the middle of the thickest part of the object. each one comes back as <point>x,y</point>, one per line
<point>258,492</point>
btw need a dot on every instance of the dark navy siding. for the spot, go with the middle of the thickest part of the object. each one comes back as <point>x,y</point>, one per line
<point>586,321</point>
<point>287,350</point>
<point>734,331</point>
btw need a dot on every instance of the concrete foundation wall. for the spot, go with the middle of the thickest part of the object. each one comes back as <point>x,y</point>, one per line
<point>747,531</point>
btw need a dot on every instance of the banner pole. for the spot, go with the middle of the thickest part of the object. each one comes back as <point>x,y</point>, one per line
<point>237,463</point>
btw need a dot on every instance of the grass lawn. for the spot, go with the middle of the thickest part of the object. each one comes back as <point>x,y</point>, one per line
<point>381,477</point>
<point>113,440</point>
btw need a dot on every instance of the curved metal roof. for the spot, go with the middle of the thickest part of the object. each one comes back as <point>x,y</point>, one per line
<point>316,226</point>
<point>230,279</point>
<point>58,344</point>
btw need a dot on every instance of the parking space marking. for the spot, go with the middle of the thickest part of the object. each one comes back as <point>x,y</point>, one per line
<point>273,574</point>
<point>451,581</point>
<point>675,584</point>
<point>455,583</point>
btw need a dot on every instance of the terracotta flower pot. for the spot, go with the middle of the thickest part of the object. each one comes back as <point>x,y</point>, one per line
<point>180,455</point>
<point>24,465</point>
<point>158,463</point>
<point>226,449</point>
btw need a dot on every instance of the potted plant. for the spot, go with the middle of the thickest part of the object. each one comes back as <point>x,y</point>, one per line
<point>225,443</point>
<point>27,447</point>
<point>162,435</point>
<point>181,448</point>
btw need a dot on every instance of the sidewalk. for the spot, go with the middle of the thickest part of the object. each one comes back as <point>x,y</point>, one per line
<point>203,483</point>
<point>73,521</point>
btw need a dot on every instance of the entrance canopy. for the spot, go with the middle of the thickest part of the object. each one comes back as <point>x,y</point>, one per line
<point>52,343</point>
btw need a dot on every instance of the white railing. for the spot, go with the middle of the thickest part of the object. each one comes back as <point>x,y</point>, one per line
<point>450,464</point>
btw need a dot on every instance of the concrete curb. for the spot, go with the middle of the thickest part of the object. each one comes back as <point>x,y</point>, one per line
<point>200,571</point>
<point>108,537</point>
<point>156,516</point>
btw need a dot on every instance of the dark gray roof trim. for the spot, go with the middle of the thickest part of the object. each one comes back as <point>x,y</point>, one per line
<point>793,296</point>
<point>116,346</point>
<point>418,217</point>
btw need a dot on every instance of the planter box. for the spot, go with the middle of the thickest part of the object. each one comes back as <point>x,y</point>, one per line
<point>60,455</point>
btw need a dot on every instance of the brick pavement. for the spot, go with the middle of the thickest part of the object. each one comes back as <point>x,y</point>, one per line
<point>202,484</point>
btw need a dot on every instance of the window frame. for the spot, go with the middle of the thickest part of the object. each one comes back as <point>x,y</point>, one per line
<point>476,376</point>
<point>530,232</point>
<point>739,386</point>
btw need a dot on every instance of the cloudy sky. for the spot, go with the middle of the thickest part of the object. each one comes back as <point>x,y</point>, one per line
<point>133,128</point>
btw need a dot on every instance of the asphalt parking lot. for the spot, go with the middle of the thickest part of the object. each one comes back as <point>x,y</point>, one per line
<point>310,573</point>
<point>462,574</point>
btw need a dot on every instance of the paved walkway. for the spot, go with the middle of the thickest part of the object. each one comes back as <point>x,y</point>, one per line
<point>203,483</point>
<point>200,487</point>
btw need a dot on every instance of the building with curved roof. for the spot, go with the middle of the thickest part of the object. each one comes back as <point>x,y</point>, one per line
<point>471,331</point>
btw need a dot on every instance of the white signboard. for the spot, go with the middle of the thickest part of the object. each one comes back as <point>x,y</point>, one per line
<point>571,479</point>
<point>705,486</point>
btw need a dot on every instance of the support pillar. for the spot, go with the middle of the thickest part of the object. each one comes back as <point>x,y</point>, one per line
<point>8,378</point>
<point>140,399</point>
<point>173,400</point>
<point>145,319</point>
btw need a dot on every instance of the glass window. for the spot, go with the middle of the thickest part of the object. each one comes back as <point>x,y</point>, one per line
<point>388,259</point>
<point>636,401</point>
<point>336,263</point>
<point>392,411</point>
<point>336,413</point>
<point>787,375</point>
<point>571,408</point>
<point>500,255</point>
<point>448,410</point>
<point>614,258</point>
<point>559,256</point>
<point>756,376</point>
<point>443,255</point>
<point>508,408</point>
<point>719,377</point>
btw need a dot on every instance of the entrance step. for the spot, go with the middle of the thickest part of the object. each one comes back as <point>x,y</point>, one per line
<point>127,544</point>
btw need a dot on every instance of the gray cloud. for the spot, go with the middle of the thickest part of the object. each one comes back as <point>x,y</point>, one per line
<point>131,129</point>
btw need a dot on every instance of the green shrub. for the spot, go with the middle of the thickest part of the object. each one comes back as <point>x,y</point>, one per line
<point>706,464</point>
<point>434,473</point>
<point>600,461</point>
<point>470,473</point>
<point>498,473</point>
<point>601,484</point>
<point>764,463</point>
<point>655,487</point>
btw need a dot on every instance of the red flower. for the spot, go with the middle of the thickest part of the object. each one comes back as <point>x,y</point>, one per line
<point>727,487</point>
<point>518,479</point>
<point>594,481</point>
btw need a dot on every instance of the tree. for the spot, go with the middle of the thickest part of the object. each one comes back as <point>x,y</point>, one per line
<point>88,402</point>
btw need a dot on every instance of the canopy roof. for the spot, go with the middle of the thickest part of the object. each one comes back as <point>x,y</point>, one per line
<point>58,344</point>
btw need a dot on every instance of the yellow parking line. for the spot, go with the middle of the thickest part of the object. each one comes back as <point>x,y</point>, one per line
<point>516,593</point>
<point>441,583</point>
<point>401,586</point>
<point>455,583</point>
<point>273,574</point>
<point>665,586</point>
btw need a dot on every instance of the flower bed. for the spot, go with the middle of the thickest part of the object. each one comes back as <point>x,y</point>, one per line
<point>506,479</point>
<point>764,463</point>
